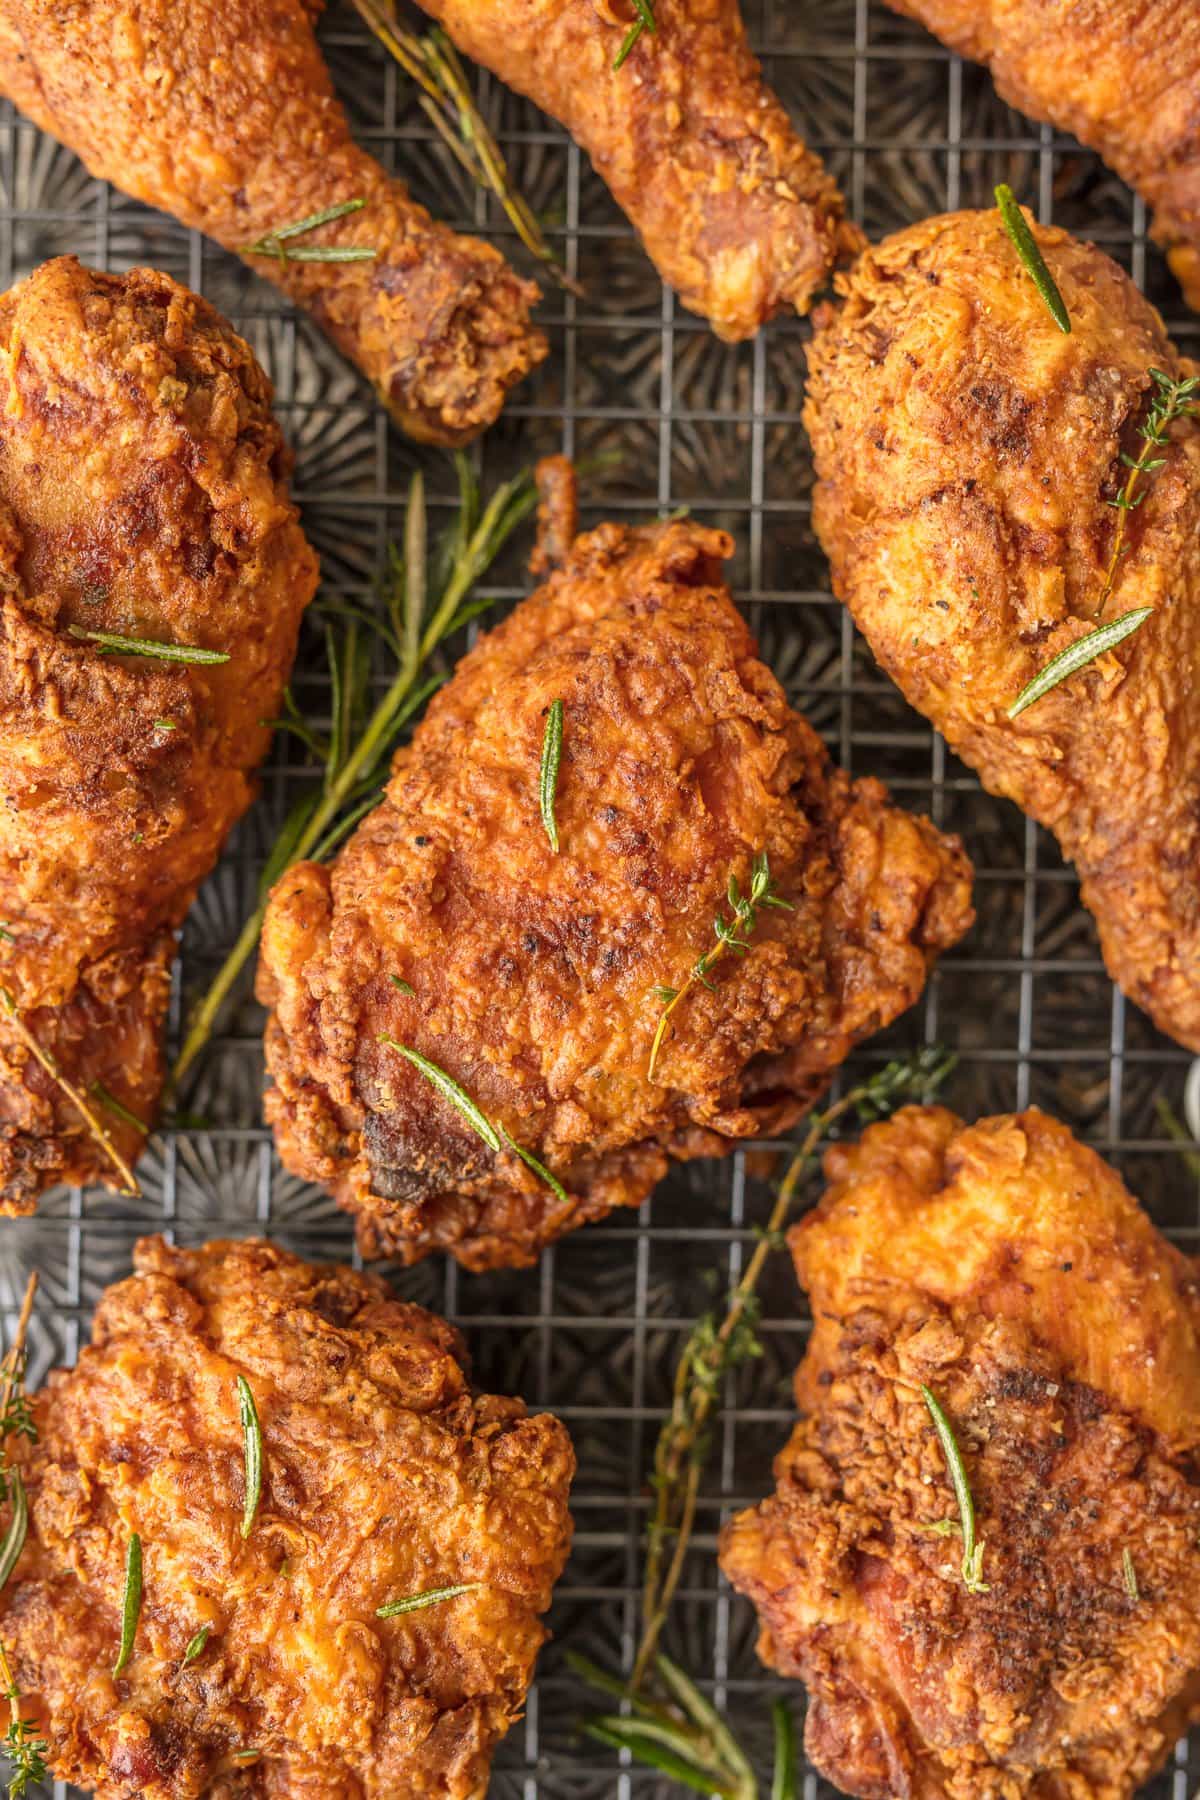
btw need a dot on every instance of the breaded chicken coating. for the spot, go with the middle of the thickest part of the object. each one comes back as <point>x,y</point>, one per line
<point>383,1477</point>
<point>143,495</point>
<point>222,112</point>
<point>969,458</point>
<point>1006,1269</point>
<point>536,980</point>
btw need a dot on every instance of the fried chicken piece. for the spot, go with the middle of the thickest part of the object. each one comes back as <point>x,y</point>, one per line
<point>968,454</point>
<point>736,215</point>
<point>222,112</point>
<point>143,493</point>
<point>1120,75</point>
<point>532,979</point>
<point>1006,1268</point>
<point>383,1477</point>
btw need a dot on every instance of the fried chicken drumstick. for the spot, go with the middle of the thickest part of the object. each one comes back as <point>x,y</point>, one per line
<point>1120,75</point>
<point>449,928</point>
<point>736,215</point>
<point>143,496</point>
<point>969,456</point>
<point>1003,1267</point>
<point>383,1477</point>
<point>223,113</point>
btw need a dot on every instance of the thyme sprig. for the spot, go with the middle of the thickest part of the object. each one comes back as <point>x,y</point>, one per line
<point>548,774</point>
<point>417,1602</point>
<point>972,1557</point>
<point>23,1745</point>
<point>733,938</point>
<point>275,243</point>
<point>425,600</point>
<point>669,1725</point>
<point>643,21</point>
<point>1017,227</point>
<point>446,100</point>
<point>1171,400</point>
<point>49,1064</point>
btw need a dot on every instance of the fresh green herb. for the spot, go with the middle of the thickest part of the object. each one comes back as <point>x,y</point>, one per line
<point>131,1604</point>
<point>196,1646</point>
<point>252,1436</point>
<point>972,1559</point>
<point>275,243</point>
<point>417,1602</point>
<point>111,1104</point>
<point>166,725</point>
<point>116,645</point>
<point>47,1062</point>
<point>1078,655</point>
<point>6,935</point>
<point>1175,1128</point>
<point>18,1525</point>
<point>548,780</point>
<point>1169,401</point>
<point>449,105</point>
<point>643,21</point>
<point>540,1170</point>
<point>356,760</point>
<point>785,1783</point>
<point>745,916</point>
<point>1130,1574</point>
<point>402,985</point>
<point>24,1746</point>
<point>1018,230</point>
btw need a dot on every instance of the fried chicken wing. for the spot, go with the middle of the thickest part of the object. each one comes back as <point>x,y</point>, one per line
<point>384,1477</point>
<point>736,215</point>
<point>1121,75</point>
<point>143,494</point>
<point>535,980</point>
<point>1006,1269</point>
<point>222,112</point>
<point>969,456</point>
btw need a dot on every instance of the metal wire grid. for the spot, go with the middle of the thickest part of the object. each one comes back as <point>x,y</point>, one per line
<point>593,1332</point>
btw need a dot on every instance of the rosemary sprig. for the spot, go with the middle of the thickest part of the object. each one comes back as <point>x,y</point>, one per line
<point>548,777</point>
<point>423,607</point>
<point>1129,1573</point>
<point>131,1603</point>
<point>446,100</point>
<point>196,1645</point>
<point>275,243</point>
<point>745,916</point>
<point>1170,401</point>
<point>643,21</point>
<point>417,1602</point>
<point>253,1452</point>
<point>1078,655</point>
<point>972,1558</point>
<point>494,1136</point>
<point>117,1108</point>
<point>47,1062</point>
<point>114,644</point>
<point>1017,227</point>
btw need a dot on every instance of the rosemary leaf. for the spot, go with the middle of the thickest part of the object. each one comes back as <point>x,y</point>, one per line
<point>548,779</point>
<point>644,21</point>
<point>530,1160</point>
<point>417,1602</point>
<point>404,986</point>
<point>785,1778</point>
<point>1018,230</point>
<point>972,1559</point>
<point>273,243</point>
<point>659,1749</point>
<point>18,1525</point>
<point>113,642</point>
<point>1174,1127</point>
<point>704,1714</point>
<point>118,1110</point>
<point>449,1089</point>
<point>131,1604</point>
<point>196,1646</point>
<point>1078,655</point>
<point>253,1446</point>
<point>1130,1574</point>
<point>6,936</point>
<point>166,725</point>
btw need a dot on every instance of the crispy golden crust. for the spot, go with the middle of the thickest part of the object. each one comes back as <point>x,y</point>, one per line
<point>223,113</point>
<point>142,492</point>
<point>737,216</point>
<point>535,975</point>
<point>1007,1268</point>
<point>1123,76</point>
<point>966,454</point>
<point>384,1476</point>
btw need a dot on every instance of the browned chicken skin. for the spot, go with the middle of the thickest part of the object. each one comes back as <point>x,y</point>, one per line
<point>222,112</point>
<point>535,977</point>
<point>967,454</point>
<point>737,216</point>
<point>384,1477</point>
<point>1006,1268</point>
<point>1122,75</point>
<point>143,493</point>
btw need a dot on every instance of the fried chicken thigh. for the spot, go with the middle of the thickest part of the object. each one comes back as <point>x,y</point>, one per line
<point>143,493</point>
<point>222,112</point>
<point>534,980</point>
<point>384,1477</point>
<point>737,216</point>
<point>1003,1267</point>
<point>968,456</point>
<point>1121,75</point>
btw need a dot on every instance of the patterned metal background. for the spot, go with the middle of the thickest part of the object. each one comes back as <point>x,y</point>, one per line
<point>593,1332</point>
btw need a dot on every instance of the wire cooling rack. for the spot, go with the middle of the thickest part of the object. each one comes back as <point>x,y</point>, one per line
<point>592,1333</point>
